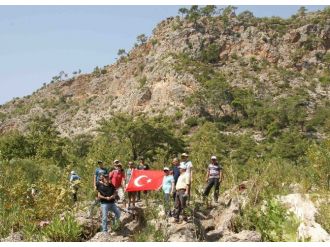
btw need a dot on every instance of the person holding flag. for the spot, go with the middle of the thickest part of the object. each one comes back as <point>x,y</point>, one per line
<point>131,194</point>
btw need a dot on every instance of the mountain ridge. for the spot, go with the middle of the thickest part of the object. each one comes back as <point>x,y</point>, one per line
<point>249,51</point>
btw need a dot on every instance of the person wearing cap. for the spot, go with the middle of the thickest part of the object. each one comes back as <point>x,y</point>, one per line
<point>186,162</point>
<point>213,178</point>
<point>182,192</point>
<point>142,166</point>
<point>131,194</point>
<point>98,170</point>
<point>168,188</point>
<point>107,194</point>
<point>113,167</point>
<point>74,185</point>
<point>117,178</point>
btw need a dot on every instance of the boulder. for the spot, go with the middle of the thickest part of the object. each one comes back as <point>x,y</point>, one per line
<point>214,235</point>
<point>223,219</point>
<point>305,211</point>
<point>243,236</point>
<point>106,237</point>
<point>184,232</point>
<point>208,225</point>
<point>312,232</point>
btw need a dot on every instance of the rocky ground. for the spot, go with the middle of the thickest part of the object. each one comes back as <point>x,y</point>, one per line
<point>212,223</point>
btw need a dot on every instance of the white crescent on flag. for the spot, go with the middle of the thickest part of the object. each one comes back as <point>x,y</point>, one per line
<point>137,180</point>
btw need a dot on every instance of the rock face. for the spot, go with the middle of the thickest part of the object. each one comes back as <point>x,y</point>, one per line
<point>149,81</point>
<point>305,210</point>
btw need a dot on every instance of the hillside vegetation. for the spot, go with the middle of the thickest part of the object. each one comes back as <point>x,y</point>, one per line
<point>253,91</point>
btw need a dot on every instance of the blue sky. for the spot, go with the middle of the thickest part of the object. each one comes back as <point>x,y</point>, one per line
<point>37,42</point>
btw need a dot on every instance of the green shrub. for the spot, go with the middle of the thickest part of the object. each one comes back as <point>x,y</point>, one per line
<point>178,115</point>
<point>271,220</point>
<point>323,216</point>
<point>192,121</point>
<point>325,80</point>
<point>154,42</point>
<point>211,54</point>
<point>142,81</point>
<point>63,230</point>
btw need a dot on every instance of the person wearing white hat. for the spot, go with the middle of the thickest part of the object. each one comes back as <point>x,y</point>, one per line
<point>168,189</point>
<point>213,178</point>
<point>182,192</point>
<point>189,166</point>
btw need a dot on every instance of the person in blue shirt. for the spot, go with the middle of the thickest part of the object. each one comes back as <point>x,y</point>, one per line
<point>98,170</point>
<point>168,189</point>
<point>176,173</point>
<point>74,185</point>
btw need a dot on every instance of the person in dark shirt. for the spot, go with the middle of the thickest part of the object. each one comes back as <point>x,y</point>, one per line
<point>107,195</point>
<point>176,173</point>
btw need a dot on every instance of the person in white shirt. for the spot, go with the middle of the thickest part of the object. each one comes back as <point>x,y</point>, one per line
<point>182,192</point>
<point>189,167</point>
<point>214,177</point>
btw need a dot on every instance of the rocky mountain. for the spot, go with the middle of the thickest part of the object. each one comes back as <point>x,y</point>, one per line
<point>272,57</point>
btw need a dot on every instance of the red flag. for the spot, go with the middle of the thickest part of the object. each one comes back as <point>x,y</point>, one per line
<point>145,180</point>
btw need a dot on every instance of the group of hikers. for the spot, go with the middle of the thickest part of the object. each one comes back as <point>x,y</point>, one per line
<point>111,186</point>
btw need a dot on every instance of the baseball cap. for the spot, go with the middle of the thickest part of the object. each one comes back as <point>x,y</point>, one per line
<point>73,172</point>
<point>213,157</point>
<point>184,155</point>
<point>99,162</point>
<point>166,168</point>
<point>116,161</point>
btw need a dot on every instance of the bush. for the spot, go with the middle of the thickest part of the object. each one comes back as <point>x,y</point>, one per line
<point>63,230</point>
<point>323,216</point>
<point>211,54</point>
<point>271,220</point>
<point>142,81</point>
<point>192,121</point>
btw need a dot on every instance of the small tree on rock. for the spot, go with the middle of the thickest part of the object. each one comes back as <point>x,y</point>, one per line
<point>141,39</point>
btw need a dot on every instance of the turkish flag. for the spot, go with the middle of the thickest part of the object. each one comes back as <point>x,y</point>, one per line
<point>145,180</point>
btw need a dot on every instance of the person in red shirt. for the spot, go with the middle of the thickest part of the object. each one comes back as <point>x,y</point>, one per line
<point>117,178</point>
